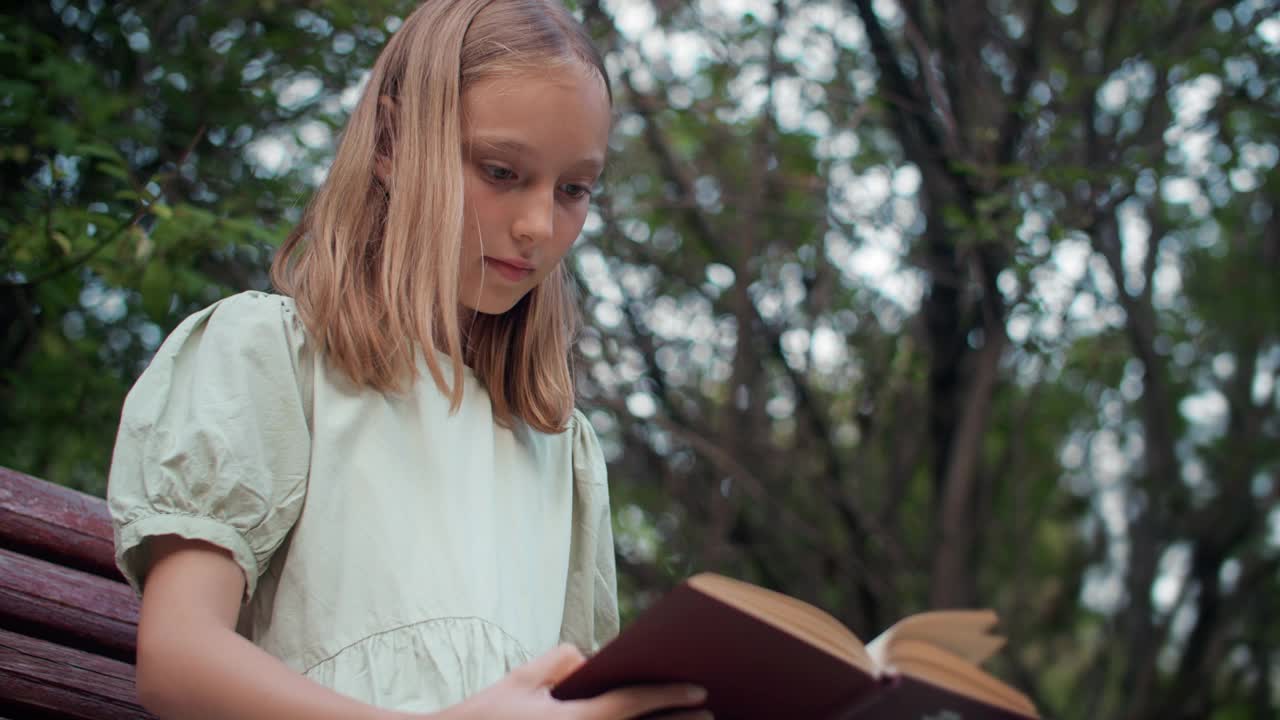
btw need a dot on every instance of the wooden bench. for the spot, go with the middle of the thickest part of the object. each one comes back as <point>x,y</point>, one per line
<point>67,618</point>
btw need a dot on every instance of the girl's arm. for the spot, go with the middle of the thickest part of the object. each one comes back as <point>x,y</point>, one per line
<point>192,663</point>
<point>194,666</point>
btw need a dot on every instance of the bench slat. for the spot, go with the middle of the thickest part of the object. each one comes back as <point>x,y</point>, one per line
<point>67,606</point>
<point>55,523</point>
<point>63,683</point>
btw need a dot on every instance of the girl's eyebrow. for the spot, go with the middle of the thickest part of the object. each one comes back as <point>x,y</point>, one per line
<point>595,164</point>
<point>508,145</point>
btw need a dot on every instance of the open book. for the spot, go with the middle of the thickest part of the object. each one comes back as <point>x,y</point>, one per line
<point>761,654</point>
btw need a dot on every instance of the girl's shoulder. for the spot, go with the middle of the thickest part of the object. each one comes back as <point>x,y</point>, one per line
<point>250,309</point>
<point>214,437</point>
<point>589,467</point>
<point>251,337</point>
<point>241,322</point>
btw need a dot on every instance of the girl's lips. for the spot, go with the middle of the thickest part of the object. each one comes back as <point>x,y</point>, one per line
<point>513,273</point>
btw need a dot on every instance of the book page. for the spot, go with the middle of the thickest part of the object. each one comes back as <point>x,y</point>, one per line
<point>963,633</point>
<point>790,615</point>
<point>925,661</point>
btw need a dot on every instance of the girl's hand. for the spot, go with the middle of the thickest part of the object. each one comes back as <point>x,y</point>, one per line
<point>526,693</point>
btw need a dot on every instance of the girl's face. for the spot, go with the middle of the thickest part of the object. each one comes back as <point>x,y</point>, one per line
<point>533,147</point>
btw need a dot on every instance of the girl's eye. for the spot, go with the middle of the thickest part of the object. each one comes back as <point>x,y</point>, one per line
<point>575,191</point>
<point>497,172</point>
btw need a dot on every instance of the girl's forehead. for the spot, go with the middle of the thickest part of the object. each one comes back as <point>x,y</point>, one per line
<point>573,75</point>
<point>564,109</point>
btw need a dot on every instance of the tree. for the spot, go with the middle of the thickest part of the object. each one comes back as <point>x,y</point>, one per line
<point>133,188</point>
<point>1045,425</point>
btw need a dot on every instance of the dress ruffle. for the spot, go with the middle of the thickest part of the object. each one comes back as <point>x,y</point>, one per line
<point>424,666</point>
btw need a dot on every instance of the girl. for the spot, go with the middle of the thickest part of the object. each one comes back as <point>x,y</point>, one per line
<point>370,497</point>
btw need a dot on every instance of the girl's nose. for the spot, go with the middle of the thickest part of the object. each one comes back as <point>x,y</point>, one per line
<point>535,222</point>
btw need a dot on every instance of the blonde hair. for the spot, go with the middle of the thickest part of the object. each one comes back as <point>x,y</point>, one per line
<point>373,264</point>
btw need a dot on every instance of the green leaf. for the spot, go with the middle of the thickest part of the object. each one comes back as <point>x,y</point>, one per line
<point>101,151</point>
<point>115,171</point>
<point>157,289</point>
<point>144,247</point>
<point>62,241</point>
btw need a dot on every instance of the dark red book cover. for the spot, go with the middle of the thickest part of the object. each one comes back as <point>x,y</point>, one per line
<point>718,635</point>
<point>751,669</point>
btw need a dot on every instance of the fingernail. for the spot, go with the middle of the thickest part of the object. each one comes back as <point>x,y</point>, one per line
<point>697,694</point>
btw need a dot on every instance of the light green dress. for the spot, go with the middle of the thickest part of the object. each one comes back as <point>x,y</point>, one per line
<point>395,552</point>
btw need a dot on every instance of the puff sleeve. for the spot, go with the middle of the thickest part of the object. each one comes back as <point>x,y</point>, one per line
<point>591,599</point>
<point>214,441</point>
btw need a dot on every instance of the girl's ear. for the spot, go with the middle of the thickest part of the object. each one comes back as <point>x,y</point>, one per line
<point>386,139</point>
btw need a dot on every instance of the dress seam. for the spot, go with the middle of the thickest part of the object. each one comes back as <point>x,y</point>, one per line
<point>243,533</point>
<point>149,515</point>
<point>489,623</point>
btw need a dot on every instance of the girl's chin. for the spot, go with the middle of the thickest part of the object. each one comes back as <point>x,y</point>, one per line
<point>491,305</point>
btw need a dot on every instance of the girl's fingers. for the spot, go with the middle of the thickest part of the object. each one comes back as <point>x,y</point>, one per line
<point>636,702</point>
<point>549,668</point>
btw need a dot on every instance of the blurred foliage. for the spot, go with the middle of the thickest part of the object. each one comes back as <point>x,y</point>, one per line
<point>891,305</point>
<point>130,194</point>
